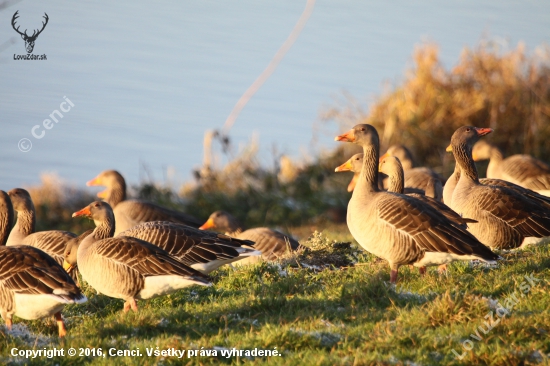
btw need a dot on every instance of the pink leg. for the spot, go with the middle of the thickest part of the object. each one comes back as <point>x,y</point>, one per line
<point>60,325</point>
<point>130,304</point>
<point>9,323</point>
<point>393,276</point>
<point>442,268</point>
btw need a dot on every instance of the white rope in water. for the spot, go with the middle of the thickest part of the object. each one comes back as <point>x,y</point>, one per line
<point>270,68</point>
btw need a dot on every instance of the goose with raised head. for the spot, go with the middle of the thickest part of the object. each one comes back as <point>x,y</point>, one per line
<point>271,243</point>
<point>131,212</point>
<point>521,169</point>
<point>34,286</point>
<point>52,242</point>
<point>505,217</point>
<point>398,228</point>
<point>129,268</point>
<point>202,250</point>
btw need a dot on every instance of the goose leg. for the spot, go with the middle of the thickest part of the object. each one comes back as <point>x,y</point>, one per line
<point>60,325</point>
<point>130,304</point>
<point>393,273</point>
<point>422,270</point>
<point>442,269</point>
<point>9,324</point>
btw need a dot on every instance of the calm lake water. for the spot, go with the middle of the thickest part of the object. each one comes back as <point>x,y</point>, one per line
<point>147,79</point>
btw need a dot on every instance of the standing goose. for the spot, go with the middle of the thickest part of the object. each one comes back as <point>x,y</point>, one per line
<point>201,250</point>
<point>128,268</point>
<point>271,243</point>
<point>52,242</point>
<point>6,217</point>
<point>33,285</point>
<point>130,212</point>
<point>504,216</point>
<point>399,228</point>
<point>523,170</point>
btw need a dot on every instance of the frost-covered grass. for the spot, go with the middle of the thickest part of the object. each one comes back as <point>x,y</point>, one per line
<point>321,314</point>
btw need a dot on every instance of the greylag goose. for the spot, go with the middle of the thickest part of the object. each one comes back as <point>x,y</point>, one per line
<point>129,268</point>
<point>271,243</point>
<point>523,170</point>
<point>391,166</point>
<point>34,286</point>
<point>130,212</point>
<point>398,228</point>
<point>52,242</point>
<point>6,217</point>
<point>201,250</point>
<point>505,217</point>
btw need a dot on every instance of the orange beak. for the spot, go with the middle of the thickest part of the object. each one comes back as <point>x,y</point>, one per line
<point>483,131</point>
<point>67,266</point>
<point>353,183</point>
<point>449,149</point>
<point>383,156</point>
<point>207,225</point>
<point>94,182</point>
<point>346,167</point>
<point>84,212</point>
<point>346,137</point>
<point>102,194</point>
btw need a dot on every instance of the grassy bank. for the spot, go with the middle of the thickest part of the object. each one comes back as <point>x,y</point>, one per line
<point>321,309</point>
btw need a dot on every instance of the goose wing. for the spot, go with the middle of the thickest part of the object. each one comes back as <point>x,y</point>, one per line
<point>144,257</point>
<point>27,270</point>
<point>430,230</point>
<point>190,245</point>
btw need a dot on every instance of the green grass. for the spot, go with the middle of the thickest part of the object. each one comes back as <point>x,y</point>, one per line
<point>333,315</point>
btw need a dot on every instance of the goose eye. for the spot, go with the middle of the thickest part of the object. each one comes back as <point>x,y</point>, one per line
<point>362,128</point>
<point>467,130</point>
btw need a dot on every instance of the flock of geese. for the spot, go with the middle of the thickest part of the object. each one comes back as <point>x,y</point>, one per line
<point>139,250</point>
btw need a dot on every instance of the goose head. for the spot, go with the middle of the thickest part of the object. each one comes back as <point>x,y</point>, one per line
<point>362,134</point>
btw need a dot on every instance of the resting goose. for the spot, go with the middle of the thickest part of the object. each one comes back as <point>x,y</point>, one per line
<point>52,242</point>
<point>34,286</point>
<point>202,250</point>
<point>401,229</point>
<point>505,217</point>
<point>271,243</point>
<point>130,212</point>
<point>129,268</point>
<point>523,170</point>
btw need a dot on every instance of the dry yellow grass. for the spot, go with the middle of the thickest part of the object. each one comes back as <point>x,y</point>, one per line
<point>507,91</point>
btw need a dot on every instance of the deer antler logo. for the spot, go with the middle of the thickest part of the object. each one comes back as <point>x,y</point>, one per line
<point>29,40</point>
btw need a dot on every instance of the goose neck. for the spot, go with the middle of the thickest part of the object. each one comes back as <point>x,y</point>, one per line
<point>368,178</point>
<point>463,157</point>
